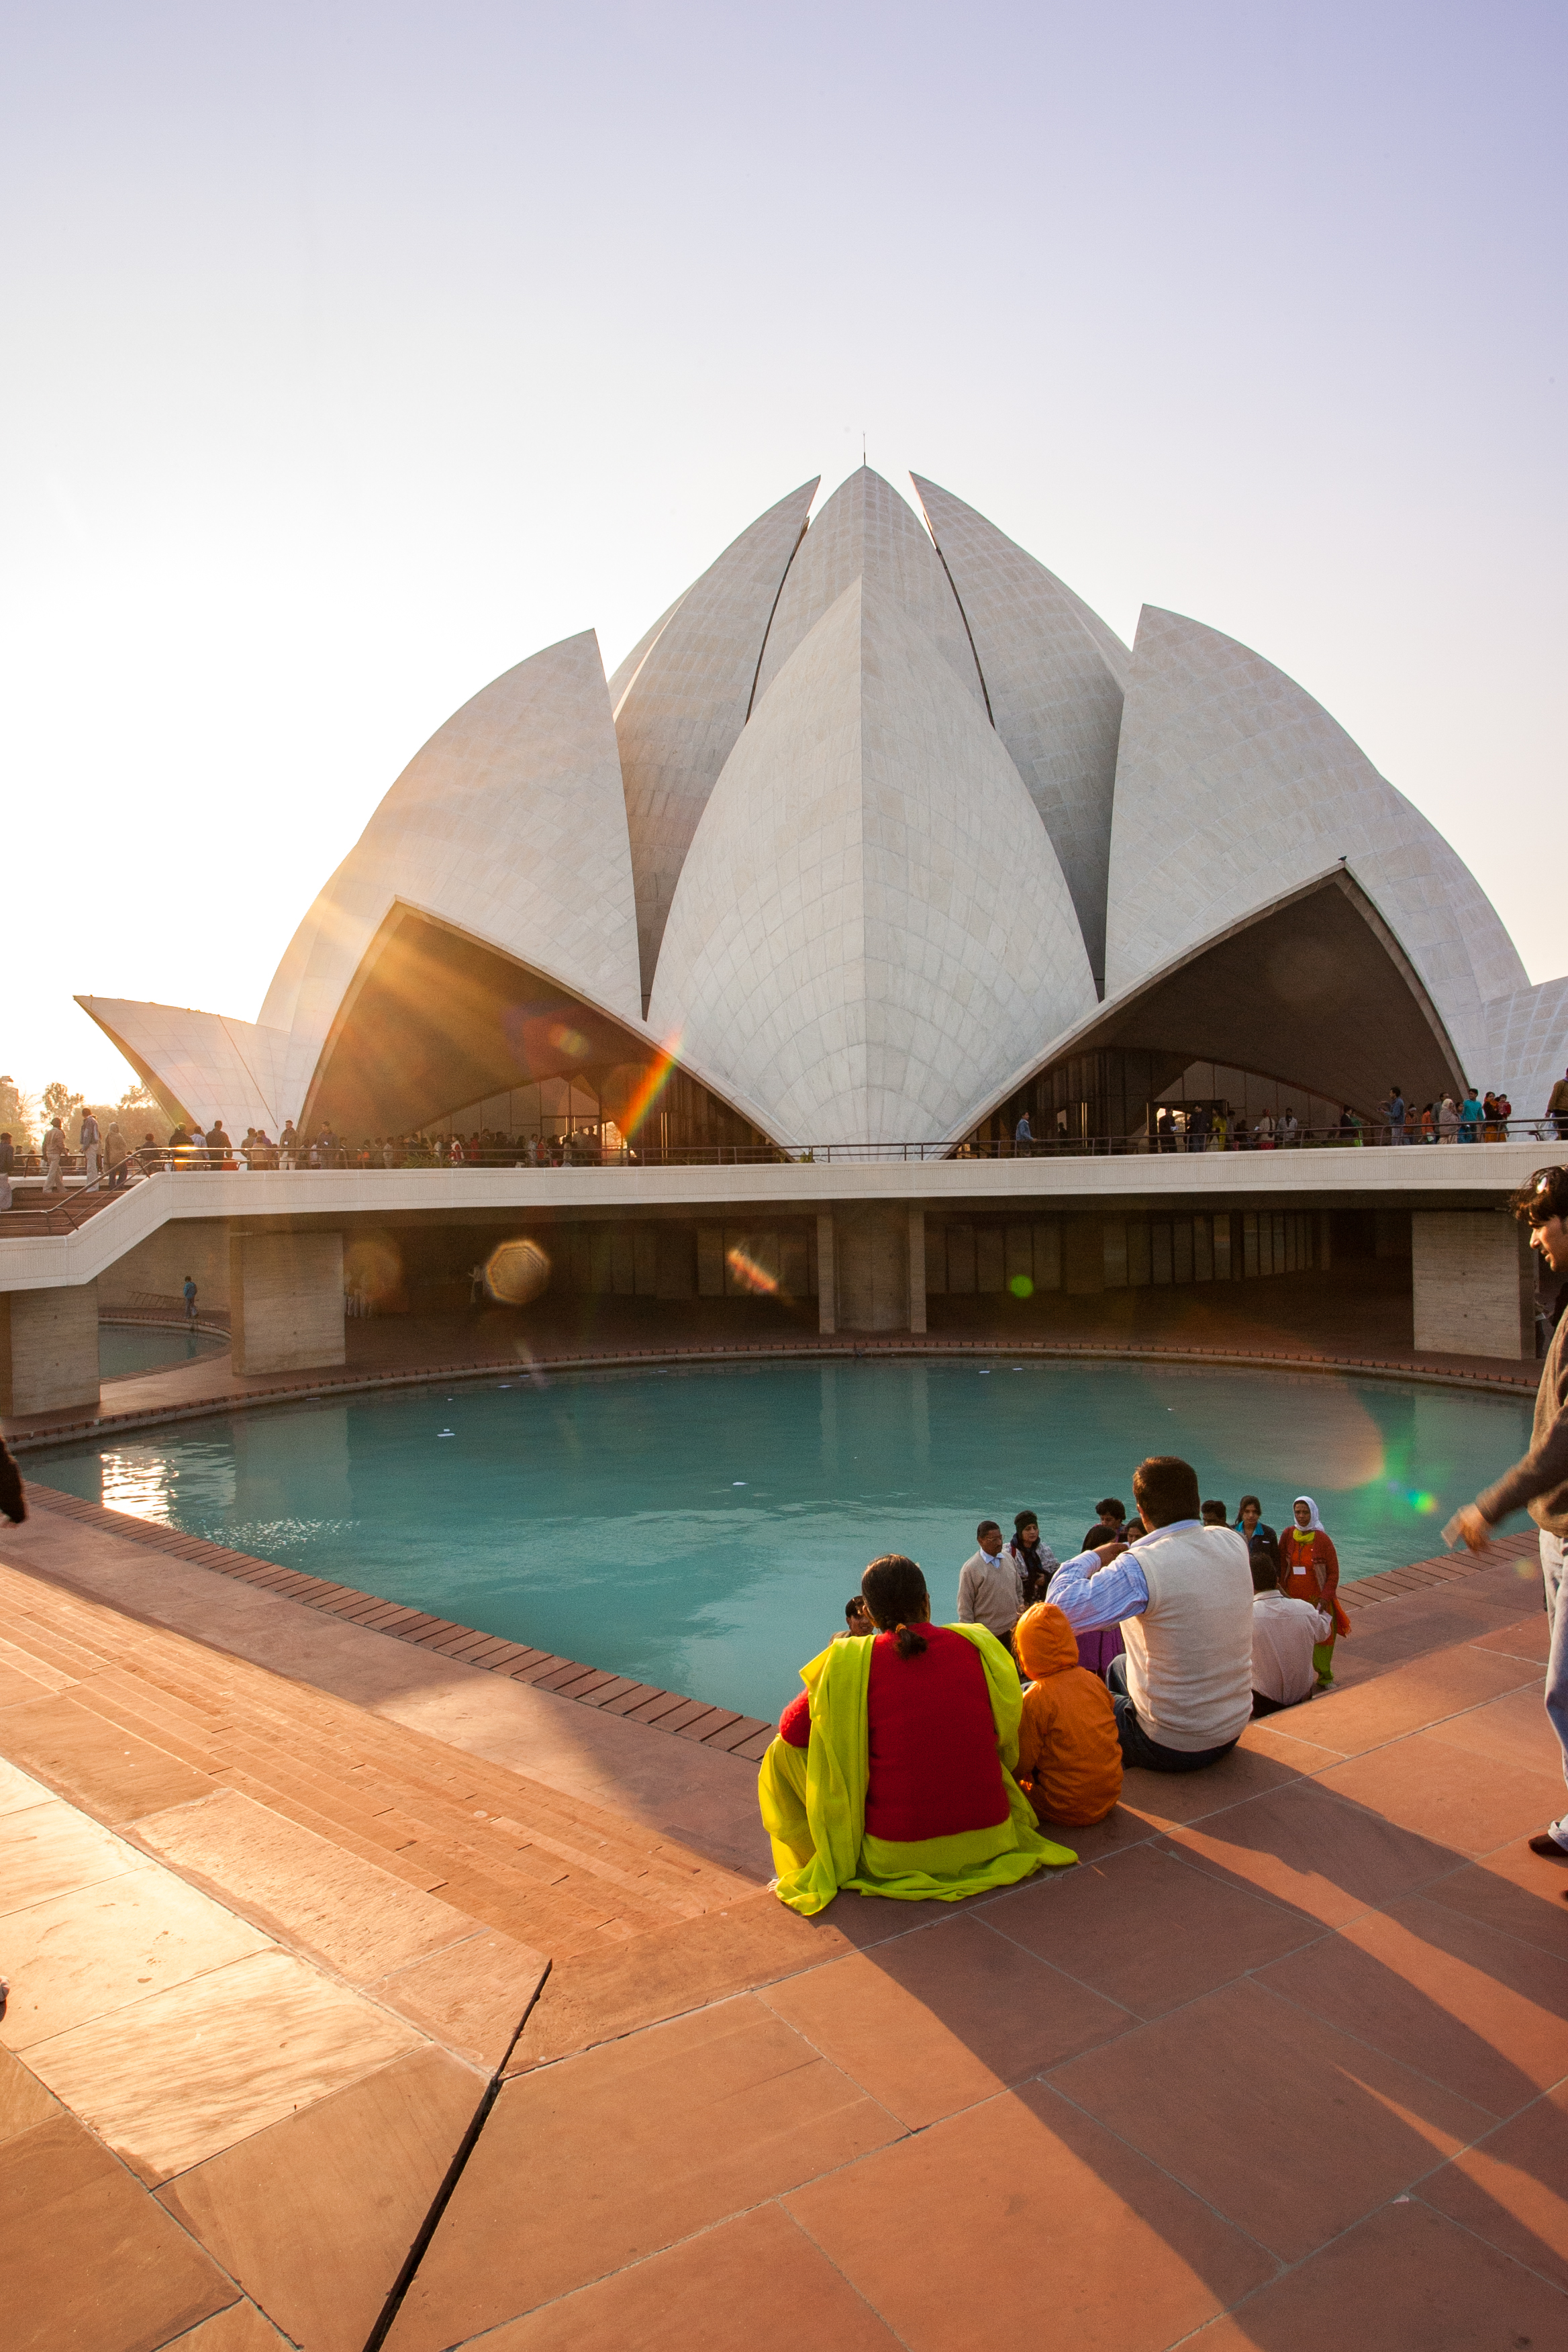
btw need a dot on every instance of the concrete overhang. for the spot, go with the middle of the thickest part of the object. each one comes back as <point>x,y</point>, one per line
<point>1457,1176</point>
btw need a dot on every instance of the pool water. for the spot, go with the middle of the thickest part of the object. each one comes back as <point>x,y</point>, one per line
<point>125,1349</point>
<point>702,1530</point>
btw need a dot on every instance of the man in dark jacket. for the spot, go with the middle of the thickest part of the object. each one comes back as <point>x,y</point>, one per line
<point>1540,1482</point>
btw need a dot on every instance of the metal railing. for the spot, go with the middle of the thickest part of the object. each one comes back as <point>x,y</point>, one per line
<point>64,1212</point>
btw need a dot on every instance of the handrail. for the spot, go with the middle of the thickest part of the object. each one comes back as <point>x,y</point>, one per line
<point>65,1213</point>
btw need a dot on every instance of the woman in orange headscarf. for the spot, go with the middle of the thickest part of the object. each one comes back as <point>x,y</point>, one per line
<point>1309,1571</point>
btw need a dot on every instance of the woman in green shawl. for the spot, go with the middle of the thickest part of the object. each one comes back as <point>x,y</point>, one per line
<point>893,1772</point>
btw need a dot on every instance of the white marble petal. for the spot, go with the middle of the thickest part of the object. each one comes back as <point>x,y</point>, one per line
<point>682,705</point>
<point>200,1066</point>
<point>1527,1039</point>
<point>1232,785</point>
<point>871,928</point>
<point>867,530</point>
<point>509,825</point>
<point>1054,676</point>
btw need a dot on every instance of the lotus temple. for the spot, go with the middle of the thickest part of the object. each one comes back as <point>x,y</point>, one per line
<point>419,1552</point>
<point>880,835</point>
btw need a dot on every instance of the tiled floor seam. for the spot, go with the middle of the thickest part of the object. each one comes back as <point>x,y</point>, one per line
<point>1480,2236</point>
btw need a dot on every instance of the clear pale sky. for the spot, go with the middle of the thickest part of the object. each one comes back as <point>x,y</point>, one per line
<point>355,351</point>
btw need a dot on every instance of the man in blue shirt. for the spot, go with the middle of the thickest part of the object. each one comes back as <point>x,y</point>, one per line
<point>1182,1594</point>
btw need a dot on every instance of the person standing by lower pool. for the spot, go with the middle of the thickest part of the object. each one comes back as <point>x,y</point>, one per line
<point>1539,1483</point>
<point>189,1296</point>
<point>1309,1571</point>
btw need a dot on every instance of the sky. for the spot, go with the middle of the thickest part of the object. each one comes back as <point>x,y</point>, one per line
<point>356,351</point>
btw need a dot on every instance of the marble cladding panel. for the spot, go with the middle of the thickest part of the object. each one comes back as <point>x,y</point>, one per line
<point>286,1302</point>
<point>1472,1283</point>
<point>681,708</point>
<point>511,824</point>
<point>48,1349</point>
<point>1527,1039</point>
<point>1233,787</point>
<point>204,1064</point>
<point>1055,675</point>
<point>872,926</point>
<point>867,530</point>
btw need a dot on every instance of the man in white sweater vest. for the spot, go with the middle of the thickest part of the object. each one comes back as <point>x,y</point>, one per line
<point>1183,1597</point>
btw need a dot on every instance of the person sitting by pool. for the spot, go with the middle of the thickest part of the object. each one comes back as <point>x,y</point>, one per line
<point>1069,1756</point>
<point>1213,1514</point>
<point>857,1620</point>
<point>1284,1634</point>
<point>893,1772</point>
<point>1309,1571</point>
<point>1249,1521</point>
<point>1108,1525</point>
<point>1035,1561</point>
<point>1183,1597</point>
<point>990,1588</point>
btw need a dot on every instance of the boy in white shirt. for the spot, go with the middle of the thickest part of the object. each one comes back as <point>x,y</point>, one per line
<point>1283,1633</point>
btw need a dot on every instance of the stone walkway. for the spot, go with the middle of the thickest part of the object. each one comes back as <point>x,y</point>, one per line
<point>1283,2063</point>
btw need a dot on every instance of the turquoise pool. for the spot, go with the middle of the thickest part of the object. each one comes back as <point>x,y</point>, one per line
<point>701,1529</point>
<point>125,1349</point>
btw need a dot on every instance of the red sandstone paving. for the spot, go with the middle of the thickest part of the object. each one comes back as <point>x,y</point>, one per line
<point>1407,2280</point>
<point>1315,1853</point>
<point>762,2264</point>
<point>1146,1930</point>
<point>1239,2095</point>
<point>1518,1893</point>
<point>585,2167</point>
<point>930,2023</point>
<point>1510,2188</point>
<point>1023,2222</point>
<point>1479,2011</point>
<point>1471,1805</point>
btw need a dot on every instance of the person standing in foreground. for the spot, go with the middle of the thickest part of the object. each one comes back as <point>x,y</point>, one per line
<point>1035,1561</point>
<point>1183,1597</point>
<point>1540,1482</point>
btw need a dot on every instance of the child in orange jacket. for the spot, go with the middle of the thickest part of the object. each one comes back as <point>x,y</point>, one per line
<point>1069,1757</point>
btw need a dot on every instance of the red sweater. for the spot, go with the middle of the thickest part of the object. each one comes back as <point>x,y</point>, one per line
<point>933,1769</point>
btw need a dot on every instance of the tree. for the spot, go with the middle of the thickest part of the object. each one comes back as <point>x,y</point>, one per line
<point>17,1112</point>
<point>59,1102</point>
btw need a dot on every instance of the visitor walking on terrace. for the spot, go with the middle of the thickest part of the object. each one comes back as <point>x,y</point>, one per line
<point>116,1156</point>
<point>91,1145</point>
<point>1557,1105</point>
<point>1539,1482</point>
<point>990,1588</point>
<point>892,1772</point>
<point>54,1157</point>
<point>1183,1597</point>
<point>1309,1571</point>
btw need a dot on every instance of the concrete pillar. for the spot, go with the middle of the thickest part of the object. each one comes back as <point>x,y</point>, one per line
<point>827,1274</point>
<point>873,1270</point>
<point>1083,1256</point>
<point>1472,1282</point>
<point>48,1349</point>
<point>917,1270</point>
<point>286,1302</point>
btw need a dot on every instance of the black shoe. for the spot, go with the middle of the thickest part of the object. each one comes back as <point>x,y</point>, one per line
<point>1547,1844</point>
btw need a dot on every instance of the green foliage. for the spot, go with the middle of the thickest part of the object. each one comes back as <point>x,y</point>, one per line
<point>18,1113</point>
<point>59,1102</point>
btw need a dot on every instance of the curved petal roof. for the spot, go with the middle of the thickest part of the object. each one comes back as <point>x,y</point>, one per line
<point>1527,1033</point>
<point>872,927</point>
<point>509,825</point>
<point>1232,784</point>
<point>200,1066</point>
<point>685,700</point>
<point>867,530</point>
<point>1054,677</point>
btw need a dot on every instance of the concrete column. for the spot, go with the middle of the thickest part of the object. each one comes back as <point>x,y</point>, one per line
<point>285,1301</point>
<point>873,1270</point>
<point>1472,1282</point>
<point>1083,1256</point>
<point>48,1349</point>
<point>827,1274</point>
<point>917,1270</point>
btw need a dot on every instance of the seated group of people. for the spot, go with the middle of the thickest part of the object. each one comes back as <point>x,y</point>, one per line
<point>924,1761</point>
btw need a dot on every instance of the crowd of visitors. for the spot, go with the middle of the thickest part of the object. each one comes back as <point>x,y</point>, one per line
<point>925,1760</point>
<point>1154,1646</point>
<point>1215,1127</point>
